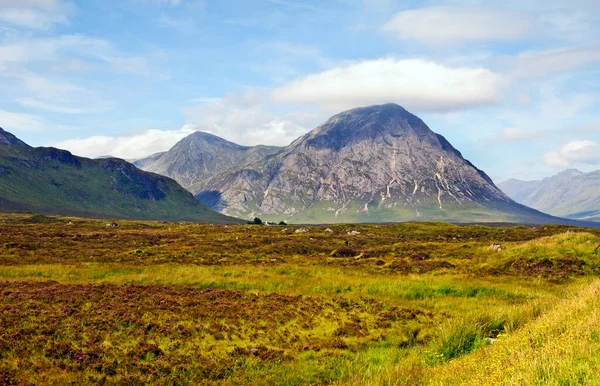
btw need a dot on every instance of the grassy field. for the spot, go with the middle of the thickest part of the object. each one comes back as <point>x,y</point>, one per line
<point>181,303</point>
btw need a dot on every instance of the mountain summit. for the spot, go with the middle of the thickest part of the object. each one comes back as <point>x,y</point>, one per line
<point>7,138</point>
<point>372,164</point>
<point>200,156</point>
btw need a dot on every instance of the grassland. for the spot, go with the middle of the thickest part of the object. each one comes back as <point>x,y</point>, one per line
<point>181,303</point>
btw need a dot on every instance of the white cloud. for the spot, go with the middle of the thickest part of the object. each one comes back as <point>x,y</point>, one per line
<point>416,84</point>
<point>455,25</point>
<point>243,121</point>
<point>575,152</point>
<point>44,87</point>
<point>34,14</point>
<point>73,47</point>
<point>23,122</point>
<point>516,134</point>
<point>541,63</point>
<point>42,105</point>
<point>67,52</point>
<point>130,146</point>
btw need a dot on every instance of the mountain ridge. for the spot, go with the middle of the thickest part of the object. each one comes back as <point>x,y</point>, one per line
<point>54,181</point>
<point>7,138</point>
<point>570,193</point>
<point>202,155</point>
<point>371,164</point>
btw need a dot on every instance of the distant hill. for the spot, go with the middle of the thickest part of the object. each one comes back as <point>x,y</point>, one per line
<point>143,163</point>
<point>49,180</point>
<point>571,193</point>
<point>200,156</point>
<point>372,164</point>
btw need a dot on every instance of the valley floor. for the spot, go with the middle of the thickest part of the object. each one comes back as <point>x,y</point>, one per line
<point>407,304</point>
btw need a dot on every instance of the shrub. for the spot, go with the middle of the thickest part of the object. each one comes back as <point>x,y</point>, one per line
<point>345,251</point>
<point>256,221</point>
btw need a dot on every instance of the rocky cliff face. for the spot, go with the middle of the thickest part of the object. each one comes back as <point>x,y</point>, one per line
<point>379,163</point>
<point>7,138</point>
<point>570,193</point>
<point>200,156</point>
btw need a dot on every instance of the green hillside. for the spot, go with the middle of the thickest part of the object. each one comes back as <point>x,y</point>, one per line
<point>48,180</point>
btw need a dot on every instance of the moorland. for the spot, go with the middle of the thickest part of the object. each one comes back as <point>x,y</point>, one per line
<point>181,303</point>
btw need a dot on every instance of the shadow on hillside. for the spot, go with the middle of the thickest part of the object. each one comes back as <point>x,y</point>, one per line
<point>212,199</point>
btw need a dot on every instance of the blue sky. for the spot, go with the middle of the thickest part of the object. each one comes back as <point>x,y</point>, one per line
<point>514,85</point>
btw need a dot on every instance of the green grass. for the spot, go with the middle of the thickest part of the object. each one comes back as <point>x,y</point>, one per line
<point>46,180</point>
<point>426,303</point>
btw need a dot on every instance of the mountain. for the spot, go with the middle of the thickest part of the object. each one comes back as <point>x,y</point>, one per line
<point>200,156</point>
<point>570,194</point>
<point>49,180</point>
<point>144,162</point>
<point>8,139</point>
<point>373,164</point>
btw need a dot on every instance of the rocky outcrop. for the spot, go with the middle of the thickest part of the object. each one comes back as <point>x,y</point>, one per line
<point>378,163</point>
<point>201,156</point>
<point>7,138</point>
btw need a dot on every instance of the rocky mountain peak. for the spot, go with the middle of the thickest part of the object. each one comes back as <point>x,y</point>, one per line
<point>374,123</point>
<point>377,163</point>
<point>202,155</point>
<point>570,173</point>
<point>7,138</point>
<point>202,137</point>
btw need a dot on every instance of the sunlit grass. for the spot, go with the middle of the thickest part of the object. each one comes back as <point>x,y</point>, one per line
<point>412,304</point>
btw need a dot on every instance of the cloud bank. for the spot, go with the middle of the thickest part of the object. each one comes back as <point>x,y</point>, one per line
<point>575,152</point>
<point>416,84</point>
<point>129,146</point>
<point>456,25</point>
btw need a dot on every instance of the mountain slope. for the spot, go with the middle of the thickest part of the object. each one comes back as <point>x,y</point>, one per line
<point>571,194</point>
<point>372,164</point>
<point>200,156</point>
<point>48,180</point>
<point>7,138</point>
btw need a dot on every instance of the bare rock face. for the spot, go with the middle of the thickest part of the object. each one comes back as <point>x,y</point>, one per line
<point>378,163</point>
<point>570,193</point>
<point>7,138</point>
<point>200,156</point>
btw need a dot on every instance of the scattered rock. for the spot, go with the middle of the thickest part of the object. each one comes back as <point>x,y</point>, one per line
<point>301,230</point>
<point>71,223</point>
<point>354,233</point>
<point>328,230</point>
<point>497,247</point>
<point>112,224</point>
